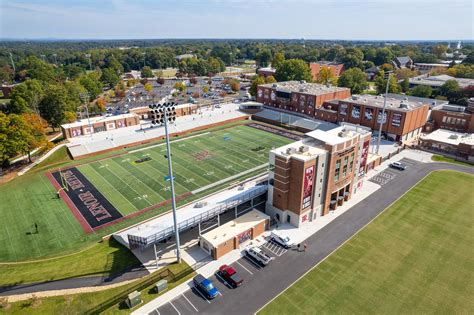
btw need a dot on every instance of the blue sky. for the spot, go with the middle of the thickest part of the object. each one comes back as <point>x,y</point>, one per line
<point>312,19</point>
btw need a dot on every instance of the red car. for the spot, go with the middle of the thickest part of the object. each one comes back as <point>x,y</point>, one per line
<point>230,276</point>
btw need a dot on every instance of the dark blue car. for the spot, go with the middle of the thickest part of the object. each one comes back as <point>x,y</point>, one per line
<point>205,286</point>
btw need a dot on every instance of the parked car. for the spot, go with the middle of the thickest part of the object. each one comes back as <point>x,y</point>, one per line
<point>258,255</point>
<point>283,240</point>
<point>205,286</point>
<point>230,276</point>
<point>398,165</point>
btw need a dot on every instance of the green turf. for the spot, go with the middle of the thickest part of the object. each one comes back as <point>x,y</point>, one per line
<point>440,158</point>
<point>31,198</point>
<point>101,259</point>
<point>416,258</point>
<point>132,186</point>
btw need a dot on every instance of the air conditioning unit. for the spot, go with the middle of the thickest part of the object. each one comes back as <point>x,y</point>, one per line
<point>290,150</point>
<point>304,148</point>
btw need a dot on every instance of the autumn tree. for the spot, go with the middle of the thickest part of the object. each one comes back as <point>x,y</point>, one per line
<point>270,79</point>
<point>355,79</point>
<point>101,104</point>
<point>278,59</point>
<point>54,104</point>
<point>325,75</point>
<point>25,97</point>
<point>36,135</point>
<point>381,82</point>
<point>205,89</point>
<point>148,87</point>
<point>146,72</point>
<point>256,82</point>
<point>234,85</point>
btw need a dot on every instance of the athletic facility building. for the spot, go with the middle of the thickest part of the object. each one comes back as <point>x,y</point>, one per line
<point>313,176</point>
<point>452,117</point>
<point>459,145</point>
<point>98,124</point>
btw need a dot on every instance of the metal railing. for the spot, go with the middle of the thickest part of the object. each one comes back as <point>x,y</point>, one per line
<point>144,242</point>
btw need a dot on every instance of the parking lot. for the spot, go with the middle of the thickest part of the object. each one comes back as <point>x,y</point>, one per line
<point>193,301</point>
<point>389,174</point>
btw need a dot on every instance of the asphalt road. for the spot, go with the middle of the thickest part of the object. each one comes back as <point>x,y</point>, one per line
<point>263,284</point>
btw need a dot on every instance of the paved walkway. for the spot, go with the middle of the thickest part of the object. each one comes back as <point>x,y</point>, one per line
<point>74,283</point>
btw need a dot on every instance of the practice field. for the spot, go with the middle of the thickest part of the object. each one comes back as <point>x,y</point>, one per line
<point>107,191</point>
<point>415,258</point>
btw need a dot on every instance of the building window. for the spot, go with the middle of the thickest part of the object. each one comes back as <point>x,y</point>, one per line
<point>336,171</point>
<point>344,169</point>
<point>351,162</point>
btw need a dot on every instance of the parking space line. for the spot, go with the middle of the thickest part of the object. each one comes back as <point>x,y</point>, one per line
<point>244,267</point>
<point>220,277</point>
<point>219,292</point>
<point>175,308</point>
<point>253,263</point>
<point>205,298</point>
<point>190,302</point>
<point>157,311</point>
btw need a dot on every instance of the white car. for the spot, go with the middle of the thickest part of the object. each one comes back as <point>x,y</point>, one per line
<point>258,254</point>
<point>283,240</point>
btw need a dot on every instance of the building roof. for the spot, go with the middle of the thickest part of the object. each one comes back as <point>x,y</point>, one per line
<point>327,63</point>
<point>416,99</point>
<point>266,69</point>
<point>340,134</point>
<point>234,227</point>
<point>403,60</point>
<point>304,87</point>
<point>451,108</point>
<point>312,149</point>
<point>439,80</point>
<point>185,56</point>
<point>401,103</point>
<point>94,120</point>
<point>450,137</point>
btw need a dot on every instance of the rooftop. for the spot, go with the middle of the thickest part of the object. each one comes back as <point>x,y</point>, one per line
<point>304,87</point>
<point>303,150</point>
<point>451,108</point>
<point>94,120</point>
<point>394,102</point>
<point>438,80</point>
<point>234,227</point>
<point>339,135</point>
<point>450,137</point>
<point>327,63</point>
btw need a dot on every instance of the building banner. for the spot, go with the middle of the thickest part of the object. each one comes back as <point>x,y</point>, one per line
<point>364,156</point>
<point>379,117</point>
<point>308,186</point>
<point>356,112</point>
<point>343,109</point>
<point>245,236</point>
<point>368,113</point>
<point>397,120</point>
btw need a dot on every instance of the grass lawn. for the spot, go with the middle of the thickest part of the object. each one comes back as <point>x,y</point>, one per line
<point>31,198</point>
<point>107,257</point>
<point>415,258</point>
<point>82,303</point>
<point>440,158</point>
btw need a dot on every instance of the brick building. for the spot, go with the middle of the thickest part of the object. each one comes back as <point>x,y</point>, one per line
<point>98,124</point>
<point>452,117</point>
<point>299,96</point>
<point>459,145</point>
<point>318,174</point>
<point>336,68</point>
<point>404,118</point>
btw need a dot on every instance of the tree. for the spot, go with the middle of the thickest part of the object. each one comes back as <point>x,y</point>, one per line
<point>355,79</point>
<point>13,136</point>
<point>25,97</point>
<point>278,59</point>
<point>54,105</point>
<point>421,91</point>
<point>270,79</point>
<point>180,86</point>
<point>160,81</point>
<point>293,69</point>
<point>402,74</point>
<point>101,102</point>
<point>146,72</point>
<point>469,59</point>
<point>439,50</point>
<point>451,90</point>
<point>193,80</point>
<point>205,89</point>
<point>234,85</point>
<point>386,67</point>
<point>70,117</point>
<point>92,84</point>
<point>462,71</point>
<point>36,68</point>
<point>256,82</point>
<point>381,83</point>
<point>325,75</point>
<point>383,55</point>
<point>73,71</point>
<point>405,85</point>
<point>263,58</point>
<point>148,88</point>
<point>6,74</point>
<point>36,132</point>
<point>109,77</point>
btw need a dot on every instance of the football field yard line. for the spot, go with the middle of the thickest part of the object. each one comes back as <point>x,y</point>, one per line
<point>229,178</point>
<point>115,176</point>
<point>145,187</point>
<point>11,243</point>
<point>26,220</point>
<point>113,187</point>
<point>164,143</point>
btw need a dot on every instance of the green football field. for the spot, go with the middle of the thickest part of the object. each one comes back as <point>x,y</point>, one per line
<point>130,186</point>
<point>199,162</point>
<point>416,258</point>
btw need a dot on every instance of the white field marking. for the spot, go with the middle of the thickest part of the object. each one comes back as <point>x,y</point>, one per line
<point>228,166</point>
<point>189,180</point>
<point>244,267</point>
<point>219,182</point>
<point>11,244</point>
<point>205,298</point>
<point>315,266</point>
<point>164,143</point>
<point>166,188</point>
<point>182,145</point>
<point>190,302</point>
<point>125,160</point>
<point>175,308</point>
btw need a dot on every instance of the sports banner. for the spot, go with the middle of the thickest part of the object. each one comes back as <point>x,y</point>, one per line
<point>308,186</point>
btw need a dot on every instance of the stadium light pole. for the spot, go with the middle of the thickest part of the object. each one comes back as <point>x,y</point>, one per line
<point>387,77</point>
<point>85,98</point>
<point>169,115</point>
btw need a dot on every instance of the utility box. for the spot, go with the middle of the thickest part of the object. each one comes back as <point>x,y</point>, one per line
<point>161,285</point>
<point>134,299</point>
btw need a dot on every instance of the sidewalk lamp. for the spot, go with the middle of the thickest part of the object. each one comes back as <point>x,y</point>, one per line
<point>382,117</point>
<point>162,114</point>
